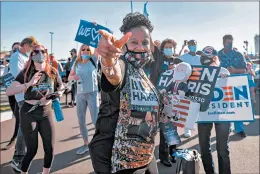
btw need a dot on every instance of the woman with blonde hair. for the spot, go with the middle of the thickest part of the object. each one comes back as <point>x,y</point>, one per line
<point>85,72</point>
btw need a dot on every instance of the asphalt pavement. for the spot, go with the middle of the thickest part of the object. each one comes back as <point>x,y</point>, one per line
<point>244,153</point>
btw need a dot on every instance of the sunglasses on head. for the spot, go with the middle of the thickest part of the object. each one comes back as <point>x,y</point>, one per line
<point>38,51</point>
<point>85,49</point>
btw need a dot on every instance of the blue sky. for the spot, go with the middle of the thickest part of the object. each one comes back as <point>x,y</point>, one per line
<point>207,22</point>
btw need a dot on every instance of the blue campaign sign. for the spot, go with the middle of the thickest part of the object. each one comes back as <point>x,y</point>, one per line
<point>88,33</point>
<point>7,79</point>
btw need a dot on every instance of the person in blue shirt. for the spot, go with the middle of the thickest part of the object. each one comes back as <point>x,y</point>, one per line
<point>85,72</point>
<point>235,63</point>
<point>73,54</point>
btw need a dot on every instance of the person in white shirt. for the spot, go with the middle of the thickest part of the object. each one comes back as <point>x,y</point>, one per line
<point>192,59</point>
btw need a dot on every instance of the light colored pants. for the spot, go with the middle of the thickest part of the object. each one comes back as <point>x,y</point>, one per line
<point>91,101</point>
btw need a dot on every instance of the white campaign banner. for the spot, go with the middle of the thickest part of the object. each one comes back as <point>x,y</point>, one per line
<point>231,101</point>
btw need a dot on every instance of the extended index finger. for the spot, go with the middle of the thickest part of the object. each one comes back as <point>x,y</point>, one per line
<point>120,43</point>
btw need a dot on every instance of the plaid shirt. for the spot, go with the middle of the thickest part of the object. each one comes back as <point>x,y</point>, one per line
<point>233,58</point>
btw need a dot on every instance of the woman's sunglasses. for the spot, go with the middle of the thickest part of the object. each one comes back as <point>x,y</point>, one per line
<point>85,49</point>
<point>38,51</point>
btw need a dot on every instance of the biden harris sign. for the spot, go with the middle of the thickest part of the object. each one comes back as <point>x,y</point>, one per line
<point>231,101</point>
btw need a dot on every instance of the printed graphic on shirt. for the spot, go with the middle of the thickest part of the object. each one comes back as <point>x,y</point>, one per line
<point>42,87</point>
<point>141,94</point>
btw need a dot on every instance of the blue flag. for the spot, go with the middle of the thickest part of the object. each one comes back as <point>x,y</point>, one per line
<point>131,6</point>
<point>145,13</point>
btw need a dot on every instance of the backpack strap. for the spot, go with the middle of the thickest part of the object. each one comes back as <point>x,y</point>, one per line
<point>92,61</point>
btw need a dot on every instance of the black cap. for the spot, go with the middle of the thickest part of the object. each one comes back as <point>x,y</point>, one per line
<point>192,42</point>
<point>73,50</point>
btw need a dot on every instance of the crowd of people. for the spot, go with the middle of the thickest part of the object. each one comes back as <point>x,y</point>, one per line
<point>124,139</point>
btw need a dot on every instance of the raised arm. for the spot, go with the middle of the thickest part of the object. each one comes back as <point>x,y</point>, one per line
<point>109,49</point>
<point>181,50</point>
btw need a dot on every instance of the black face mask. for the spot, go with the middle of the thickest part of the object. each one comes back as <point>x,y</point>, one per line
<point>137,59</point>
<point>204,60</point>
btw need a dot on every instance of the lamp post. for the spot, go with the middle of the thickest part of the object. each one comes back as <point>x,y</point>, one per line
<point>51,40</point>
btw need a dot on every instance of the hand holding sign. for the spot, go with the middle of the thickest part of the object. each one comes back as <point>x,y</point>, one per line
<point>88,33</point>
<point>109,47</point>
<point>231,69</point>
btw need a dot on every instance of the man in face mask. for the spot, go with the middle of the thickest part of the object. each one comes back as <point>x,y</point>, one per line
<point>73,54</point>
<point>17,62</point>
<point>192,59</point>
<point>235,62</point>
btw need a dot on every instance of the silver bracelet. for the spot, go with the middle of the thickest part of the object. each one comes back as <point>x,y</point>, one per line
<point>108,69</point>
<point>25,86</point>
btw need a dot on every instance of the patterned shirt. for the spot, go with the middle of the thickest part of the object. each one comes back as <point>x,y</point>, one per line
<point>233,58</point>
<point>137,123</point>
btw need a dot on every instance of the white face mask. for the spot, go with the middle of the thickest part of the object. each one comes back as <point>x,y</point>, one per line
<point>179,75</point>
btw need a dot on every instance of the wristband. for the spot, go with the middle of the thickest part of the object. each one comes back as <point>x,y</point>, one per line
<point>25,86</point>
<point>108,68</point>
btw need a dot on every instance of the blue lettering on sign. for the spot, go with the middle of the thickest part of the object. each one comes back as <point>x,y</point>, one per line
<point>230,97</point>
<point>237,93</point>
<point>243,93</point>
